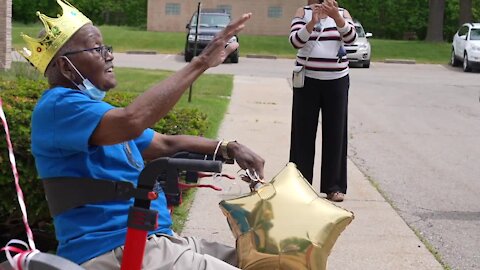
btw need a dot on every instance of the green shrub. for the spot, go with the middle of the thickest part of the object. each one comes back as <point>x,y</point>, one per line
<point>19,97</point>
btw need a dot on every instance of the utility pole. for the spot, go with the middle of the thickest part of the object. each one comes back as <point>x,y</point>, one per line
<point>5,34</point>
<point>195,46</point>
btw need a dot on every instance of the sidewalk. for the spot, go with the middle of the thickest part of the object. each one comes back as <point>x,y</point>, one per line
<point>259,116</point>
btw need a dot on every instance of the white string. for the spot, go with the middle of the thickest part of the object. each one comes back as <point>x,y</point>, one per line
<point>254,176</point>
<point>216,150</point>
<point>29,257</point>
<point>215,176</point>
<point>13,259</point>
<point>23,257</point>
<point>254,180</point>
<point>16,177</point>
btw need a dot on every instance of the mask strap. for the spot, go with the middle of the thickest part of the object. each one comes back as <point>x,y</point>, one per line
<point>78,72</point>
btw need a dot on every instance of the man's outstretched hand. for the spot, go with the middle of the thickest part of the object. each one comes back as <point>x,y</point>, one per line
<point>247,159</point>
<point>217,50</point>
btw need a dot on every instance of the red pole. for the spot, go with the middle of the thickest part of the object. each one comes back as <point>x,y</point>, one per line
<point>134,249</point>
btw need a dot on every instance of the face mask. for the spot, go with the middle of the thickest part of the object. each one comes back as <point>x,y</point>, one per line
<point>91,90</point>
<point>87,86</point>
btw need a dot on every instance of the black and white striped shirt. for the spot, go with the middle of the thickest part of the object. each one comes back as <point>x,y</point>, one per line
<point>324,62</point>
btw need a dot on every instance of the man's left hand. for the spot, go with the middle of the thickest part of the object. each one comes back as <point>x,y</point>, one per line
<point>217,50</point>
<point>247,159</point>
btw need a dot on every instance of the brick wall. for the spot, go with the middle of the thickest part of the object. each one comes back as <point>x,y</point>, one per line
<point>5,34</point>
<point>260,24</point>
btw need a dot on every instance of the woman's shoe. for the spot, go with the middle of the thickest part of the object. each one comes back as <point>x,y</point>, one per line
<point>336,196</point>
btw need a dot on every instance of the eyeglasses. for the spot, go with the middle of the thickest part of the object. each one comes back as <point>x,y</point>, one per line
<point>102,50</point>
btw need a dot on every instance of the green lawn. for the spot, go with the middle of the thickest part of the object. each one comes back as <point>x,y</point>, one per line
<point>421,51</point>
<point>121,39</point>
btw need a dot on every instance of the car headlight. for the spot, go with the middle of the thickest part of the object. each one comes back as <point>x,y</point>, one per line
<point>363,46</point>
<point>233,39</point>
<point>191,37</point>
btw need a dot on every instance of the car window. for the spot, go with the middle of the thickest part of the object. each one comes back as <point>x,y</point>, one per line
<point>211,20</point>
<point>360,31</point>
<point>463,31</point>
<point>475,34</point>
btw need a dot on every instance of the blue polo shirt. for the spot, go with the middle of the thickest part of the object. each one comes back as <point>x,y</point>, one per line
<point>62,123</point>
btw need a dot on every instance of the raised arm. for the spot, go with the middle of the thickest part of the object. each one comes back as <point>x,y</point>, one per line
<point>301,29</point>
<point>343,21</point>
<point>123,124</point>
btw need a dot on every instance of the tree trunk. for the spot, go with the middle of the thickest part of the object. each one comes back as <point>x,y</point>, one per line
<point>5,34</point>
<point>435,20</point>
<point>465,11</point>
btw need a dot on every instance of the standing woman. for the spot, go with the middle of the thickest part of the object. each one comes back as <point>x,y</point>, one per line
<point>318,31</point>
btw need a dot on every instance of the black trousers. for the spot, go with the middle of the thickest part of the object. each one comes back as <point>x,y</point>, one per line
<point>331,98</point>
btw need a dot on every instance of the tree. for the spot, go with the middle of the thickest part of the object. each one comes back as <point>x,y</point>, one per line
<point>466,12</point>
<point>435,20</point>
<point>5,34</point>
<point>114,12</point>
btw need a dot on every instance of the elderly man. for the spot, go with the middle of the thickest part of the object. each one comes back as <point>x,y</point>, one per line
<point>76,134</point>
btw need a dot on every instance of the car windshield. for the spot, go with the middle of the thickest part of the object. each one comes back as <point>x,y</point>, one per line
<point>211,20</point>
<point>475,34</point>
<point>360,31</point>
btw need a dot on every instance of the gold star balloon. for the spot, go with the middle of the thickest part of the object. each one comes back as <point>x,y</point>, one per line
<point>285,224</point>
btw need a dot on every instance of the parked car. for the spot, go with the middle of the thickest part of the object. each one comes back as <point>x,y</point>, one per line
<point>360,52</point>
<point>466,47</point>
<point>210,23</point>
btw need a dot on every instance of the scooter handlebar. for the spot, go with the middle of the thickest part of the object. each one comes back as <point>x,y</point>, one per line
<point>195,165</point>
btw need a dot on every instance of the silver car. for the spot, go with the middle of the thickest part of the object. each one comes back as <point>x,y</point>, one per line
<point>360,52</point>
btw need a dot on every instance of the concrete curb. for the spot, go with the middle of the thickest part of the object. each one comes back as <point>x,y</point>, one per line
<point>400,61</point>
<point>141,52</point>
<point>260,56</point>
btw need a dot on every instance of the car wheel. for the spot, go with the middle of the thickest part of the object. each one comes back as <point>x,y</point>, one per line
<point>188,57</point>
<point>466,65</point>
<point>453,60</point>
<point>234,57</point>
<point>366,64</point>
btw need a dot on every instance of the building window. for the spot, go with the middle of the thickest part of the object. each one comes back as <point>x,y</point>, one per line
<point>275,12</point>
<point>172,9</point>
<point>227,8</point>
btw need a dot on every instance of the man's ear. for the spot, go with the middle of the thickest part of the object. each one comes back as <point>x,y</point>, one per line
<point>65,68</point>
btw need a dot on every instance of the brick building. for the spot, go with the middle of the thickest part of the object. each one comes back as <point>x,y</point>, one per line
<point>270,17</point>
<point>5,33</point>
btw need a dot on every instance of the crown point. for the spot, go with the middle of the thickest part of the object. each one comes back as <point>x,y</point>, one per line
<point>27,52</point>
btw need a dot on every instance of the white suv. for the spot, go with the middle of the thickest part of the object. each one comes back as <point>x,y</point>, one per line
<point>466,47</point>
<point>360,52</point>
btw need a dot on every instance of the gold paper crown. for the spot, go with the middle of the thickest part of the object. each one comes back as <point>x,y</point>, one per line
<point>40,51</point>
